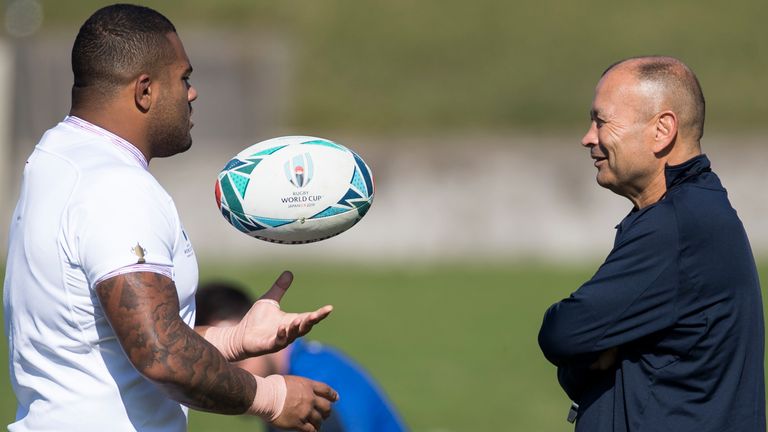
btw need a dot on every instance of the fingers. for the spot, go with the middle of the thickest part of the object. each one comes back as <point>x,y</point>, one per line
<point>322,403</point>
<point>325,391</point>
<point>307,404</point>
<point>282,338</point>
<point>323,407</point>
<point>307,427</point>
<point>309,319</point>
<point>606,360</point>
<point>293,330</point>
<point>279,288</point>
<point>315,419</point>
<point>320,314</point>
<point>303,323</point>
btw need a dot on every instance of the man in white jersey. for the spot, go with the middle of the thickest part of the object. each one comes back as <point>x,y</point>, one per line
<point>100,278</point>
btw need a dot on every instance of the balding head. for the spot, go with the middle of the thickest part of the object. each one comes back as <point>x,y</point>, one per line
<point>669,85</point>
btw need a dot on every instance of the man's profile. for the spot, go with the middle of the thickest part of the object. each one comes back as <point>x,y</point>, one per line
<point>668,334</point>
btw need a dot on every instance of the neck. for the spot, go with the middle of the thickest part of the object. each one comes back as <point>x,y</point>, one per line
<point>685,153</point>
<point>657,187</point>
<point>120,124</point>
<point>652,193</point>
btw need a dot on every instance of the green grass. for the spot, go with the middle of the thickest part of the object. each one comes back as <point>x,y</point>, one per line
<point>453,345</point>
<point>447,65</point>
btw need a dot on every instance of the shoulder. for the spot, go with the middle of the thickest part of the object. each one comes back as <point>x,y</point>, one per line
<point>96,158</point>
<point>119,185</point>
<point>120,176</point>
<point>702,204</point>
<point>656,224</point>
<point>121,195</point>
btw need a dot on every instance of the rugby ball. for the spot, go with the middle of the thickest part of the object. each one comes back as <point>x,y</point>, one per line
<point>294,189</point>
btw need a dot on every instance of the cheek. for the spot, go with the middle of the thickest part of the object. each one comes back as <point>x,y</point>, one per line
<point>609,144</point>
<point>613,136</point>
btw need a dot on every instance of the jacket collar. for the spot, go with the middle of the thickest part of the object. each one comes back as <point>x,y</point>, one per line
<point>676,174</point>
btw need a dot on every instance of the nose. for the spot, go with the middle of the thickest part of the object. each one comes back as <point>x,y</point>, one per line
<point>191,94</point>
<point>590,138</point>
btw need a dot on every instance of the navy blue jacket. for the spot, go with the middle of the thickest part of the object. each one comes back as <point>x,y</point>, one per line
<point>679,296</point>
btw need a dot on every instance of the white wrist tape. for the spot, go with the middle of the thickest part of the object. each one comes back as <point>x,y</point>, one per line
<point>270,397</point>
<point>228,340</point>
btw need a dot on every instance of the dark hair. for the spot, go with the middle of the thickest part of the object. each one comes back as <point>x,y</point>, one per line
<point>116,44</point>
<point>221,301</point>
<point>681,86</point>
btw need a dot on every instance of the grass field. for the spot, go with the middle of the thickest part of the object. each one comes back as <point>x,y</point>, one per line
<point>453,345</point>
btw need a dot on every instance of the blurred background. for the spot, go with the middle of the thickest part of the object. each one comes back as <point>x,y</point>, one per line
<point>470,115</point>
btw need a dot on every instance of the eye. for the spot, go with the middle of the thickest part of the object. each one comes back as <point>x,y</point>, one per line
<point>594,116</point>
<point>186,81</point>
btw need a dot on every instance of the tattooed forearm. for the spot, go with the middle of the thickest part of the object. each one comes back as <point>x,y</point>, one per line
<point>143,309</point>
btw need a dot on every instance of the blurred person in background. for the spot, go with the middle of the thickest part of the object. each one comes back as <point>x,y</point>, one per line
<point>669,333</point>
<point>100,278</point>
<point>362,405</point>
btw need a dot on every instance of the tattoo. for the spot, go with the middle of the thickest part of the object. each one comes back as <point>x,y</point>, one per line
<point>143,310</point>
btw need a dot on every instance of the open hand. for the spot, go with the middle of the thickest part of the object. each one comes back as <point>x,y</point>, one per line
<point>266,328</point>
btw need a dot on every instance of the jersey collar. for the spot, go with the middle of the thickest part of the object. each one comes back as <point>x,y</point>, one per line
<point>122,144</point>
<point>676,174</point>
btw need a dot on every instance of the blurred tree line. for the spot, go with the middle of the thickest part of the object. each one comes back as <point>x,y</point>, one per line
<point>447,65</point>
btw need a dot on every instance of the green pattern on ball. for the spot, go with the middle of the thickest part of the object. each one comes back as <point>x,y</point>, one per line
<point>231,197</point>
<point>363,207</point>
<point>359,183</point>
<point>248,169</point>
<point>240,182</point>
<point>325,143</point>
<point>266,152</point>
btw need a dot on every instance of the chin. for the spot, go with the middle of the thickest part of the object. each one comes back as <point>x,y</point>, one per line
<point>171,151</point>
<point>603,182</point>
<point>187,146</point>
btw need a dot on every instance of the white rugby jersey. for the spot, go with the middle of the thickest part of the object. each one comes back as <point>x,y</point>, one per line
<point>88,209</point>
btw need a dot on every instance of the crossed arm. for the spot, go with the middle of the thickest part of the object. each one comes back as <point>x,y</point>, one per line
<point>631,296</point>
<point>143,310</point>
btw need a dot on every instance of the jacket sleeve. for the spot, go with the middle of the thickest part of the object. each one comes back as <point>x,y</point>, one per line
<point>575,379</point>
<point>631,296</point>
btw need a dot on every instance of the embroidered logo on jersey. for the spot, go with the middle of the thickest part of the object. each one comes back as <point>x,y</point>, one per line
<point>139,252</point>
<point>188,245</point>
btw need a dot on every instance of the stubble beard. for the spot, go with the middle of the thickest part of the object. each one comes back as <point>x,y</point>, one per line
<point>169,133</point>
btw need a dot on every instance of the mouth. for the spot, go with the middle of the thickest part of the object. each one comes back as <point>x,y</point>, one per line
<point>598,160</point>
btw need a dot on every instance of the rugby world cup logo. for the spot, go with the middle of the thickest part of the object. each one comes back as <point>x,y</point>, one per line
<point>299,170</point>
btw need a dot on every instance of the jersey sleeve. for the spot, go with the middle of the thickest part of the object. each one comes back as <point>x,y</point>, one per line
<point>632,295</point>
<point>122,223</point>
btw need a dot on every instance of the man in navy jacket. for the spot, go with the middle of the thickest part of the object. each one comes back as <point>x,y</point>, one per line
<point>668,335</point>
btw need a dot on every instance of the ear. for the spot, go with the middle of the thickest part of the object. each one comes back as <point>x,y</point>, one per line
<point>143,92</point>
<point>665,131</point>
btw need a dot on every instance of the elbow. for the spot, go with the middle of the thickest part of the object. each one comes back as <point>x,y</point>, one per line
<point>149,367</point>
<point>151,360</point>
<point>167,382</point>
<point>155,373</point>
<point>558,340</point>
<point>549,342</point>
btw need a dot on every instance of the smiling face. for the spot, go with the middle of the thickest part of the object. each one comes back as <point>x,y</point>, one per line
<point>169,128</point>
<point>621,134</point>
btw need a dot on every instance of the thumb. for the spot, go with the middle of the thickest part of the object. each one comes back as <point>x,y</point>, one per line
<point>278,289</point>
